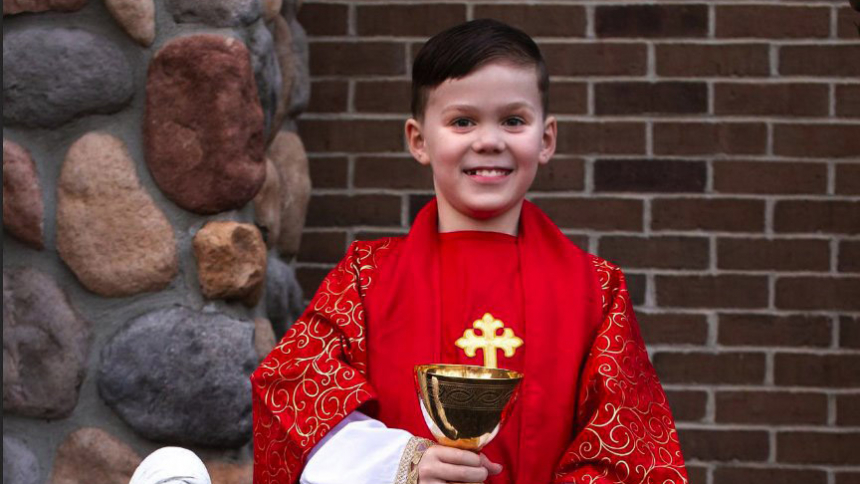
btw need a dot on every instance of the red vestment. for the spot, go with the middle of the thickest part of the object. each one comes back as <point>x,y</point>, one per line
<point>591,408</point>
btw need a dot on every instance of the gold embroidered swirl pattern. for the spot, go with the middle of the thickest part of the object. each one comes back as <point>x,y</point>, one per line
<point>315,376</point>
<point>625,431</point>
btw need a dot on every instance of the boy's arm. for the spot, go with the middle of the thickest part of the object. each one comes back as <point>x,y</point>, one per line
<point>625,432</point>
<point>315,376</point>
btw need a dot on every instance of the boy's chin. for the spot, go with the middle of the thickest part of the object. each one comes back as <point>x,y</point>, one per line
<point>487,210</point>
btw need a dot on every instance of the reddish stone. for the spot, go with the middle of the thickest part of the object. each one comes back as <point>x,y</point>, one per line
<point>23,209</point>
<point>19,6</point>
<point>203,128</point>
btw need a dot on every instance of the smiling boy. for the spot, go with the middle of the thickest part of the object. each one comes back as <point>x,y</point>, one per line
<point>335,401</point>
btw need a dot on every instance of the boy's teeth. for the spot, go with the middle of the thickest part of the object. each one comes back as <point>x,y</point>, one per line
<point>487,172</point>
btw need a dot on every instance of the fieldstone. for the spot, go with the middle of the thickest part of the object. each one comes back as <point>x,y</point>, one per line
<point>19,463</point>
<point>264,337</point>
<point>217,13</point>
<point>231,261</point>
<point>11,7</point>
<point>182,377</point>
<point>221,472</point>
<point>301,89</point>
<point>96,77</point>
<point>271,9</point>
<point>23,209</point>
<point>137,17</point>
<point>283,40</point>
<point>91,455</point>
<point>45,346</point>
<point>283,295</point>
<point>267,73</point>
<point>268,205</point>
<point>206,156</point>
<point>109,230</point>
<point>288,154</point>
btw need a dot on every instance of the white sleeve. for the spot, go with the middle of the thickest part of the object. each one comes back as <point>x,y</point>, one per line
<point>360,448</point>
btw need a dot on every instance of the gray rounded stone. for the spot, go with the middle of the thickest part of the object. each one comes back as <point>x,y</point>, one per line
<point>45,346</point>
<point>301,93</point>
<point>19,463</point>
<point>267,72</point>
<point>217,13</point>
<point>182,377</point>
<point>284,296</point>
<point>52,75</point>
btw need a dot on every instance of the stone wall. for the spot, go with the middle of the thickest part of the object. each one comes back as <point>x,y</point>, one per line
<point>154,195</point>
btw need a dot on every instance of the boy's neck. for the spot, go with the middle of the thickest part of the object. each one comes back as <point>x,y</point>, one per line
<point>451,220</point>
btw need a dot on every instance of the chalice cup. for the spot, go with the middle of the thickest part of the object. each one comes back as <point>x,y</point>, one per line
<point>464,405</point>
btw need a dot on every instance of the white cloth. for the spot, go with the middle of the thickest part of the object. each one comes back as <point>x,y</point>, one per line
<point>171,465</point>
<point>360,450</point>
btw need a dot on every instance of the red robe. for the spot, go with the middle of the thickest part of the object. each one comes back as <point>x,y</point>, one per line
<point>591,408</point>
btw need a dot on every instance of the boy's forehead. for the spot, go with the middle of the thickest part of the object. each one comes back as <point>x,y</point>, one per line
<point>518,85</point>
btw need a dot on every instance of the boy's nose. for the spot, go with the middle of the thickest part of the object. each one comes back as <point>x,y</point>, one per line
<point>488,141</point>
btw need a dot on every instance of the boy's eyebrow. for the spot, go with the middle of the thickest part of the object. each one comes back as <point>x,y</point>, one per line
<point>470,107</point>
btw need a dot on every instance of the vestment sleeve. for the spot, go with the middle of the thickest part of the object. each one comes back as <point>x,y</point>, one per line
<point>314,377</point>
<point>624,431</point>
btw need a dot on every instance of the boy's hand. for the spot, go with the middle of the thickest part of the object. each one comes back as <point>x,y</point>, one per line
<point>441,464</point>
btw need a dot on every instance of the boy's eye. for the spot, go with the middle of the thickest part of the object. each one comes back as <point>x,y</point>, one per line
<point>515,121</point>
<point>462,123</point>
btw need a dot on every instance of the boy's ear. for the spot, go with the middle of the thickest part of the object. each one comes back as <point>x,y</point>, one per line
<point>415,138</point>
<point>550,135</point>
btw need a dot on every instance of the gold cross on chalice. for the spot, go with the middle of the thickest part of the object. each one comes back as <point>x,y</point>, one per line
<point>465,405</point>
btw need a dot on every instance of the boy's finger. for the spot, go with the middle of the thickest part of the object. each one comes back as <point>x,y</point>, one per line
<point>451,455</point>
<point>455,473</point>
<point>490,465</point>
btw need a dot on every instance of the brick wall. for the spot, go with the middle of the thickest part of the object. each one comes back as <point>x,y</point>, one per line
<point>711,149</point>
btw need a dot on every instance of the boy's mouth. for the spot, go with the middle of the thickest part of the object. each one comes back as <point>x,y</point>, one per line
<point>488,172</point>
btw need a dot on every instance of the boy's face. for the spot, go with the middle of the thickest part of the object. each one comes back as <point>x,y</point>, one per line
<point>484,136</point>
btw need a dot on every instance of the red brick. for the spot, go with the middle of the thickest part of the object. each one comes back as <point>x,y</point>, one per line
<point>378,234</point>
<point>817,140</point>
<point>651,21</point>
<point>322,246</point>
<point>568,97</point>
<point>717,214</point>
<point>345,210</point>
<point>656,252</point>
<point>328,97</point>
<point>323,18</point>
<point>771,21</point>
<point>649,175</point>
<point>834,371</point>
<point>848,178</point>
<point>848,410</point>
<point>383,96</point>
<point>849,256</point>
<point>848,100</point>
<point>781,99</point>
<point>847,477</point>
<point>724,445</point>
<point>819,60</point>
<point>691,60</point>
<point>344,135</point>
<point>774,408</point>
<point>612,138</point>
<point>650,98</point>
<point>849,332</point>
<point>847,27</point>
<point>560,174</point>
<point>595,59</point>
<point>579,240</point>
<point>636,285</point>
<point>734,475</point>
<point>328,171</point>
<point>687,406</point>
<point>773,254</point>
<point>408,20</point>
<point>836,448</point>
<point>770,177</point>
<point>672,138</point>
<point>416,203</point>
<point>709,368</point>
<point>593,213</point>
<point>770,330</point>
<point>821,293</point>
<point>538,20</point>
<point>310,278</point>
<point>724,291</point>
<point>697,473</point>
<point>356,58</point>
<point>673,328</point>
<point>831,216</point>
<point>399,172</point>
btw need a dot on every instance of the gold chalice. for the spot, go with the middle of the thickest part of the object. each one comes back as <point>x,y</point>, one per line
<point>464,405</point>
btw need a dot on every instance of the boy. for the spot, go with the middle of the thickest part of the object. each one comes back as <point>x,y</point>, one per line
<point>335,401</point>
